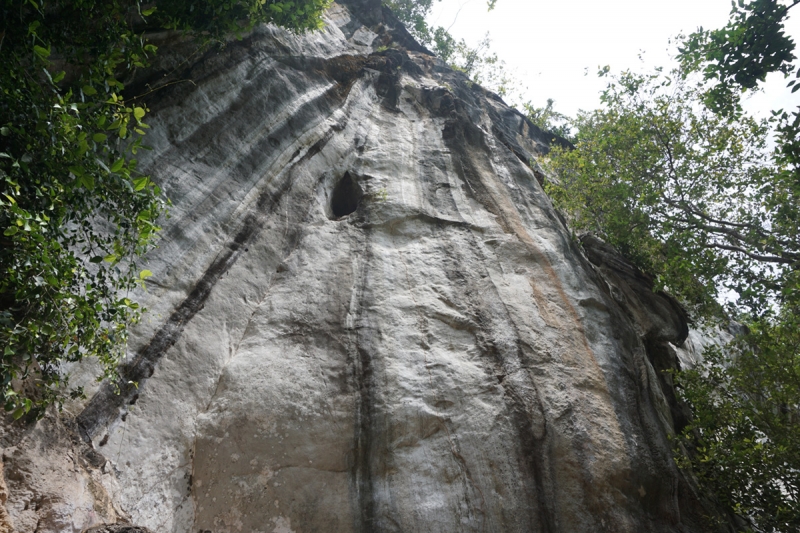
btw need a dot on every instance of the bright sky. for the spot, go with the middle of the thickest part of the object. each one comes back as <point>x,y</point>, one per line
<point>550,45</point>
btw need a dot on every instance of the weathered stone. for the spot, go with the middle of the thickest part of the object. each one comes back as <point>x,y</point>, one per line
<point>366,315</point>
<point>55,482</point>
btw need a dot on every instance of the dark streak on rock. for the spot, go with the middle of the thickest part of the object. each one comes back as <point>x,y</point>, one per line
<point>461,136</point>
<point>362,472</point>
<point>104,408</point>
<point>361,478</point>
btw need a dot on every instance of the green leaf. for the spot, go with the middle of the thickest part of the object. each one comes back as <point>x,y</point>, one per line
<point>99,137</point>
<point>87,181</point>
<point>43,53</point>
<point>138,112</point>
<point>11,230</point>
<point>88,90</point>
<point>78,171</point>
<point>118,164</point>
<point>148,12</point>
<point>140,183</point>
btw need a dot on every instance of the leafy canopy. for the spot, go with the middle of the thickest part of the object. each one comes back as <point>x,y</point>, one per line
<point>743,439</point>
<point>689,195</point>
<point>75,213</point>
<point>740,55</point>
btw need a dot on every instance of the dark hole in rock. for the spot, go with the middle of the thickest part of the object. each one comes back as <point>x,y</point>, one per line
<point>346,196</point>
<point>95,459</point>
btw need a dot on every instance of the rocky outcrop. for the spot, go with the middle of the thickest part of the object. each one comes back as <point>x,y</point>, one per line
<point>660,321</point>
<point>367,316</point>
<point>5,520</point>
<point>54,481</point>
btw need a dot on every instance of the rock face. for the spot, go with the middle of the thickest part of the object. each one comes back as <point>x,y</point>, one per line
<point>366,316</point>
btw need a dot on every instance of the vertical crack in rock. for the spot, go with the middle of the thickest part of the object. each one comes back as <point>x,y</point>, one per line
<point>292,243</point>
<point>529,417</point>
<point>466,142</point>
<point>463,137</point>
<point>361,469</point>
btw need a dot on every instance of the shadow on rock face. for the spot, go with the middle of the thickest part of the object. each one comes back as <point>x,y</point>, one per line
<point>118,528</point>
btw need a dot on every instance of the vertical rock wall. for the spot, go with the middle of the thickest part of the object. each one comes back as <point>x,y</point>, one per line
<point>367,316</point>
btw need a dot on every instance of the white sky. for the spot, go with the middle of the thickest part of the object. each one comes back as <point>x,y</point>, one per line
<point>550,44</point>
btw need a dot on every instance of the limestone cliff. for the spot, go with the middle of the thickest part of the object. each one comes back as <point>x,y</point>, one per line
<point>365,316</point>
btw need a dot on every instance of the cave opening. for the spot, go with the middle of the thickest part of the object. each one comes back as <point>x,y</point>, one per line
<point>346,196</point>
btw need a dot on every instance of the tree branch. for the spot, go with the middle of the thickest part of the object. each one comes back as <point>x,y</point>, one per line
<point>757,257</point>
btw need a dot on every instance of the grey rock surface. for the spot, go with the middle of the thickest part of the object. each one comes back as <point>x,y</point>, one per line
<point>366,315</point>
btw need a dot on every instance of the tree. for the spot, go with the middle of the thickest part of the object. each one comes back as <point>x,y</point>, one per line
<point>747,429</point>
<point>740,55</point>
<point>736,59</point>
<point>695,198</point>
<point>743,439</point>
<point>75,213</point>
<point>691,196</point>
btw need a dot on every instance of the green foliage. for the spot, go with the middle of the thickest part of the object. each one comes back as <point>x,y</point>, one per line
<point>412,13</point>
<point>740,55</point>
<point>744,436</point>
<point>75,214</point>
<point>690,196</point>
<point>220,17</point>
<point>747,408</point>
<point>479,63</point>
<point>737,58</point>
